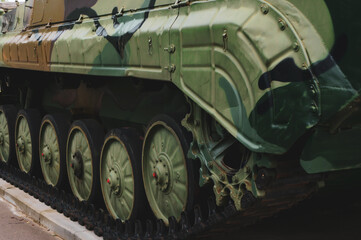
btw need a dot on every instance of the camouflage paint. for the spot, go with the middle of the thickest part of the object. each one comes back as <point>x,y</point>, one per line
<point>263,69</point>
<point>330,152</point>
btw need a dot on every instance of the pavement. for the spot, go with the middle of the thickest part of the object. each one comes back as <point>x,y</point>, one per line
<point>15,225</point>
<point>40,214</point>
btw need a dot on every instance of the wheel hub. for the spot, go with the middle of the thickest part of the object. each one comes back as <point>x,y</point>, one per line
<point>114,180</point>
<point>46,154</point>
<point>161,172</point>
<point>1,138</point>
<point>76,163</point>
<point>21,144</point>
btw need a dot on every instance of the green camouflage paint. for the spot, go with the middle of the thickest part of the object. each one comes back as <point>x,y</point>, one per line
<point>267,71</point>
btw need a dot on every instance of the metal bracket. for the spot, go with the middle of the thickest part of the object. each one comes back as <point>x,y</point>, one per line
<point>120,13</point>
<point>171,68</point>
<point>225,40</point>
<point>48,25</point>
<point>80,19</point>
<point>179,3</point>
<point>150,46</point>
<point>170,49</point>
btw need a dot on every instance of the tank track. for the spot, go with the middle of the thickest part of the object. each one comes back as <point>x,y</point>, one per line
<point>207,222</point>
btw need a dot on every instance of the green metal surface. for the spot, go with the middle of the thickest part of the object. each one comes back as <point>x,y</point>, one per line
<point>116,178</point>
<point>248,63</point>
<point>23,144</point>
<point>326,152</point>
<point>49,153</point>
<point>164,172</point>
<point>4,138</point>
<point>79,164</point>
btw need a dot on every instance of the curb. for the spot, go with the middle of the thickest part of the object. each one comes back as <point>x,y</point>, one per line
<point>45,215</point>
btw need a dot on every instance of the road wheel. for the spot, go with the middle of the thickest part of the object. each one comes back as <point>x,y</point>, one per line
<point>167,172</point>
<point>82,158</point>
<point>26,139</point>
<point>120,174</point>
<point>7,125</point>
<point>52,147</point>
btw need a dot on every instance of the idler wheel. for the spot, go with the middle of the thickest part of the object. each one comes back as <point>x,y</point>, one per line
<point>167,172</point>
<point>52,147</point>
<point>82,158</point>
<point>26,138</point>
<point>120,174</point>
<point>7,132</point>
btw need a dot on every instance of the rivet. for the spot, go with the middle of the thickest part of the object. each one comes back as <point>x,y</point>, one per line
<point>264,8</point>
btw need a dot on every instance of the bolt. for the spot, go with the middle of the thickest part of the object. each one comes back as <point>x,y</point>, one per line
<point>264,9</point>
<point>314,108</point>
<point>296,47</point>
<point>282,24</point>
<point>222,178</point>
<point>313,90</point>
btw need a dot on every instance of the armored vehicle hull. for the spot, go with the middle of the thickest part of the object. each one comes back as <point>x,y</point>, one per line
<point>154,106</point>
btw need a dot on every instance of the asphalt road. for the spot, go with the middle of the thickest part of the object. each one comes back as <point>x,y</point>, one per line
<point>15,226</point>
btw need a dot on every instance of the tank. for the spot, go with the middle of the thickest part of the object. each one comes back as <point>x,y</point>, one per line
<point>156,106</point>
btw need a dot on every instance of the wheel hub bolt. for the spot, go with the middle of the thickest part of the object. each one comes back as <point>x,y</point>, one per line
<point>46,154</point>
<point>114,182</point>
<point>161,174</point>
